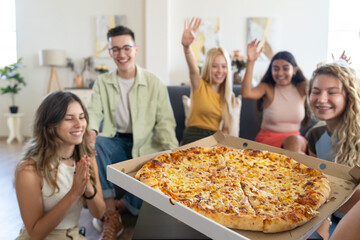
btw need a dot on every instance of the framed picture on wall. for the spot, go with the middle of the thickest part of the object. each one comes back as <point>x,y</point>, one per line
<point>208,36</point>
<point>103,24</point>
<point>267,30</point>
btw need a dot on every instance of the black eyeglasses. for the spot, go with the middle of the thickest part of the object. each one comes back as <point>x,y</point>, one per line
<point>116,50</point>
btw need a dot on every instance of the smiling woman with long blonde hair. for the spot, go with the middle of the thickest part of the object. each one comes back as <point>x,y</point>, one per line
<point>211,92</point>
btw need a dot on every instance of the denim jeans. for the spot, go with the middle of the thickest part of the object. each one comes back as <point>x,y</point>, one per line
<point>111,151</point>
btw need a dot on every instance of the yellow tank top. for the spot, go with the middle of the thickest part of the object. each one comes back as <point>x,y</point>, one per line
<point>205,111</point>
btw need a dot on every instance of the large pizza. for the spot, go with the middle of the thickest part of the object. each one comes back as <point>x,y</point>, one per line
<point>243,189</point>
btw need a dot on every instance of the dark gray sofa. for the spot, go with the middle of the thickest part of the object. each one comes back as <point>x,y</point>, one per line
<point>249,125</point>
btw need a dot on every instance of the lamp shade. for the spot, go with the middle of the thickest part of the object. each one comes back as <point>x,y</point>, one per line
<point>52,58</point>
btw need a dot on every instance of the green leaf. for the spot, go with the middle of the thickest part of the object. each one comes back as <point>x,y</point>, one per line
<point>13,78</point>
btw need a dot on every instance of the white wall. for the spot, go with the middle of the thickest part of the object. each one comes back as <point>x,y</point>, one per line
<point>157,32</point>
<point>61,24</point>
<point>70,25</point>
<point>303,23</point>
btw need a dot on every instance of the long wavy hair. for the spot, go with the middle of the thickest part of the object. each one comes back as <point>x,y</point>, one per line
<point>345,139</point>
<point>296,79</point>
<point>43,145</point>
<point>226,92</point>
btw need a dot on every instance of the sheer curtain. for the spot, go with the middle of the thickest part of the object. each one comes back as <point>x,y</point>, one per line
<point>7,33</point>
<point>344,30</point>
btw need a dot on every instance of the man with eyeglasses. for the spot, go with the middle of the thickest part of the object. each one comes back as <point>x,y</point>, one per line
<point>137,120</point>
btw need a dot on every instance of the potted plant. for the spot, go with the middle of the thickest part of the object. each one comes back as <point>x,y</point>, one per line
<point>238,63</point>
<point>14,82</point>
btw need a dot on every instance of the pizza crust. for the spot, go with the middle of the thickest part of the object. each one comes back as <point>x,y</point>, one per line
<point>245,222</point>
<point>289,220</point>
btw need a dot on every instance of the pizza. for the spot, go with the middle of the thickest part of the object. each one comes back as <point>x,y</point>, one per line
<point>239,188</point>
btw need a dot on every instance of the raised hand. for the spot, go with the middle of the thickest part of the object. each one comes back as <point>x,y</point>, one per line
<point>81,176</point>
<point>342,57</point>
<point>252,50</point>
<point>346,58</point>
<point>190,31</point>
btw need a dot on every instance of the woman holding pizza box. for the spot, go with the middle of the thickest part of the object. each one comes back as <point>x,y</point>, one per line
<point>211,91</point>
<point>334,97</point>
<point>281,98</point>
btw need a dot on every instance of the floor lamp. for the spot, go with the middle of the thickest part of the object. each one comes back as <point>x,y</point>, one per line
<point>53,58</point>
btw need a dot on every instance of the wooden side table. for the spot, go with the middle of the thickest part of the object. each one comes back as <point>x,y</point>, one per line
<point>14,125</point>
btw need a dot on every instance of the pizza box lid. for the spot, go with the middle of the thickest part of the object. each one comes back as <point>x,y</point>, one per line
<point>344,181</point>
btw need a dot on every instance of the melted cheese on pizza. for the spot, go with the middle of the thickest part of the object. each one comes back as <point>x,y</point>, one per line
<point>234,183</point>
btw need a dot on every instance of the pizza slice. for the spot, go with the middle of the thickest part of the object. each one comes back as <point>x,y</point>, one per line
<point>278,208</point>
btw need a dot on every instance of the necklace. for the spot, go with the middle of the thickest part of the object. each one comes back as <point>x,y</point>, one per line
<point>62,158</point>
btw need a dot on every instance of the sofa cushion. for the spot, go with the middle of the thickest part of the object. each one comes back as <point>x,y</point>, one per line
<point>236,108</point>
<point>175,95</point>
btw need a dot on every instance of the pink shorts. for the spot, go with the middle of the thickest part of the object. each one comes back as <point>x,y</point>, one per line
<point>273,138</point>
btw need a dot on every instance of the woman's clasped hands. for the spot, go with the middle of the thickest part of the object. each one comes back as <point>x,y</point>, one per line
<point>81,184</point>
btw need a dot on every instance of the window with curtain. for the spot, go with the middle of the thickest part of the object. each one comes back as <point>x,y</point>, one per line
<point>8,53</point>
<point>344,30</point>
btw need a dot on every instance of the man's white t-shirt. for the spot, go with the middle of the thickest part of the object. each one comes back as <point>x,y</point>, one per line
<point>123,116</point>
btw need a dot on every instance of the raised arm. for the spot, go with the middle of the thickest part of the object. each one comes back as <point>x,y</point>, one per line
<point>187,39</point>
<point>247,91</point>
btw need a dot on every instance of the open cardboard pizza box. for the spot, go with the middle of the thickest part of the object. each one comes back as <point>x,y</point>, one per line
<point>343,185</point>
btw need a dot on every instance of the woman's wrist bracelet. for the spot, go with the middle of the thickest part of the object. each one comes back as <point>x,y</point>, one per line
<point>92,196</point>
